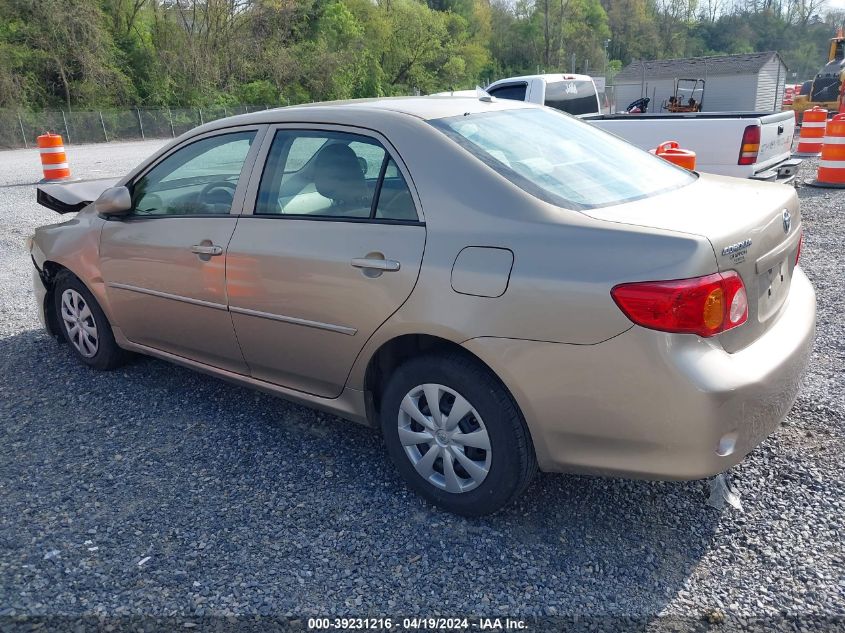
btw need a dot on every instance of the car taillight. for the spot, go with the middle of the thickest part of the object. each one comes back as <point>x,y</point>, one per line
<point>702,305</point>
<point>800,244</point>
<point>750,147</point>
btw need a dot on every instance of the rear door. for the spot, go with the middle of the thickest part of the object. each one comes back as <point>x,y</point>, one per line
<point>329,246</point>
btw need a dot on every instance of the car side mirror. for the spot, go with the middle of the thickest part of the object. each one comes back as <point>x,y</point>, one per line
<point>114,201</point>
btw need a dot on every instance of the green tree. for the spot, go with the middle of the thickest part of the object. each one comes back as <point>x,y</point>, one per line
<point>61,50</point>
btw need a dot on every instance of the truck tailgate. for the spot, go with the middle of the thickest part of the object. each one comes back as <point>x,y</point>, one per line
<point>776,134</point>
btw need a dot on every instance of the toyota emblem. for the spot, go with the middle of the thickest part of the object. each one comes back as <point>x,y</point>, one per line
<point>787,221</point>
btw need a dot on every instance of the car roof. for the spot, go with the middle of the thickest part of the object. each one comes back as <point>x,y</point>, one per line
<point>547,77</point>
<point>425,108</point>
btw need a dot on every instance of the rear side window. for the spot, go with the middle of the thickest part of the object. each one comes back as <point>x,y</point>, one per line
<point>325,174</point>
<point>302,150</point>
<point>573,97</point>
<point>509,91</point>
<point>394,198</point>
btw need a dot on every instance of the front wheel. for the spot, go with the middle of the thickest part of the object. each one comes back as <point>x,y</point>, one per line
<point>456,435</point>
<point>84,325</point>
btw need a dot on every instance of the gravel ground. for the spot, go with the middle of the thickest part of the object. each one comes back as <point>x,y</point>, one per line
<point>156,491</point>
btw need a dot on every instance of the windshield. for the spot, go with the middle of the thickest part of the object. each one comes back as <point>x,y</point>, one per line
<point>562,160</point>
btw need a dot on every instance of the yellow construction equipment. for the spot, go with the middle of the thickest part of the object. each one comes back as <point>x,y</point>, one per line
<point>689,94</point>
<point>827,85</point>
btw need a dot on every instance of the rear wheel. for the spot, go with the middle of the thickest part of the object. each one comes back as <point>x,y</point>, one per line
<point>455,434</point>
<point>84,325</point>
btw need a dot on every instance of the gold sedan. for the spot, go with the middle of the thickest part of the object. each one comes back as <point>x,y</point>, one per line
<point>496,286</point>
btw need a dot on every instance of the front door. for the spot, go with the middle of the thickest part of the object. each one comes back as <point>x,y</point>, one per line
<point>164,263</point>
<point>331,249</point>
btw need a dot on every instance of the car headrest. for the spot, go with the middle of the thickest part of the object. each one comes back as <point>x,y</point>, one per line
<point>338,175</point>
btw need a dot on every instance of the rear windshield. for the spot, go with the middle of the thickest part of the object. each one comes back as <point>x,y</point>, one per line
<point>573,97</point>
<point>562,160</point>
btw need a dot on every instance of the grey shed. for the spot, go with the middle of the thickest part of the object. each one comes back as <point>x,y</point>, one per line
<point>751,82</point>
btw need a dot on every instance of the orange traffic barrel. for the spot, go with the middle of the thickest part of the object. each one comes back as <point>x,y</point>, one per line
<point>812,132</point>
<point>53,157</point>
<point>671,151</point>
<point>832,164</point>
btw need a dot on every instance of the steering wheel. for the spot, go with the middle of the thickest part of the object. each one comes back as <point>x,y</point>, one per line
<point>220,185</point>
<point>149,204</point>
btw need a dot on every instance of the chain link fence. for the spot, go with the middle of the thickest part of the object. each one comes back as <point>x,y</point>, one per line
<point>19,129</point>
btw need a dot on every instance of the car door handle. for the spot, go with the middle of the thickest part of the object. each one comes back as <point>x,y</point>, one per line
<point>386,265</point>
<point>203,249</point>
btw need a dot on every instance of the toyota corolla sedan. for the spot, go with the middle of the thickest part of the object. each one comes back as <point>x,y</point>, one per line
<point>497,286</point>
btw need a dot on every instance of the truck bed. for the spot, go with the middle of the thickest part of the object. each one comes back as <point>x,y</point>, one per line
<point>715,137</point>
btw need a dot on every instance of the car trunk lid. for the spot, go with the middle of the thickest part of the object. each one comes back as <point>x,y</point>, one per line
<point>754,229</point>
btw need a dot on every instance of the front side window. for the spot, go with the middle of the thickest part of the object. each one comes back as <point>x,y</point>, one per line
<point>572,96</point>
<point>332,174</point>
<point>562,160</point>
<point>198,179</point>
<point>510,91</point>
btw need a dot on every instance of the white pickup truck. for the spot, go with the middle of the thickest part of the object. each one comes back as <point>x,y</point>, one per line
<point>743,144</point>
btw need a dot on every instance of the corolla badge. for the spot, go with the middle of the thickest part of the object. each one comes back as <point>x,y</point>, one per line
<point>787,221</point>
<point>736,248</point>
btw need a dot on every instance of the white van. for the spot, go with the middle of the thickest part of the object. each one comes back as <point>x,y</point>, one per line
<point>573,94</point>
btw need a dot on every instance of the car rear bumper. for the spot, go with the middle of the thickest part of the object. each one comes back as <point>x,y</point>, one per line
<point>655,405</point>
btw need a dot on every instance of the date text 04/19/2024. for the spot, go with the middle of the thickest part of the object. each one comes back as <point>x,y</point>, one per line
<point>417,624</point>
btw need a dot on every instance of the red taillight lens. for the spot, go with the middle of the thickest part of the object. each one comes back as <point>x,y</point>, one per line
<point>702,305</point>
<point>800,244</point>
<point>750,147</point>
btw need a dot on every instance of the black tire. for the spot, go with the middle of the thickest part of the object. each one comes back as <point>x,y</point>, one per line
<point>108,355</point>
<point>513,463</point>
